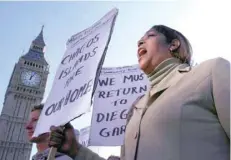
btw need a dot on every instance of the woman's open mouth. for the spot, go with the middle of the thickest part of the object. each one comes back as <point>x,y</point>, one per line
<point>141,52</point>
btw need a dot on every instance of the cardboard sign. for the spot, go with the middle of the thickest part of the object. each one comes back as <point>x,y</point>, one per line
<point>74,83</point>
<point>84,136</point>
<point>117,89</point>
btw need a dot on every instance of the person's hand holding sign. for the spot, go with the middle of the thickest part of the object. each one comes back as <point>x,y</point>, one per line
<point>64,140</point>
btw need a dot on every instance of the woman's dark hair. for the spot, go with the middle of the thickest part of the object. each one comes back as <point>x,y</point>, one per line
<point>171,34</point>
<point>37,107</point>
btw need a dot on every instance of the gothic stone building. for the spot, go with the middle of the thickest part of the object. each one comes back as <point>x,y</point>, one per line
<point>26,88</point>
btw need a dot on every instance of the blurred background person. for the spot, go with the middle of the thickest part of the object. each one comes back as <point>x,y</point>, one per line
<point>42,140</point>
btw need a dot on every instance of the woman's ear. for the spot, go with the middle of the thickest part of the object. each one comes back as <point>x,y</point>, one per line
<point>174,46</point>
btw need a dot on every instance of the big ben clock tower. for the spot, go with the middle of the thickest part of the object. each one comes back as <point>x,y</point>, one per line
<point>26,88</point>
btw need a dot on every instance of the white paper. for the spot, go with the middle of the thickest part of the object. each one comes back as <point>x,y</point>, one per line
<point>84,136</point>
<point>117,89</point>
<point>72,89</point>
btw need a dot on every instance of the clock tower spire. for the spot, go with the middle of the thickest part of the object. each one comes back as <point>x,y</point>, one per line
<point>26,88</point>
<point>38,43</point>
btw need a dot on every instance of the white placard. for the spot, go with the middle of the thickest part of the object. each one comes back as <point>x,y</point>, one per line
<point>84,136</point>
<point>73,86</point>
<point>117,89</point>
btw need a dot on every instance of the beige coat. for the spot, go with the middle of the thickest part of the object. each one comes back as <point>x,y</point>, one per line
<point>186,117</point>
<point>188,121</point>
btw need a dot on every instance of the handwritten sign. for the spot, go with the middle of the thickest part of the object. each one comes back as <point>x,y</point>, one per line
<point>79,69</point>
<point>117,89</point>
<point>84,136</point>
<point>76,134</point>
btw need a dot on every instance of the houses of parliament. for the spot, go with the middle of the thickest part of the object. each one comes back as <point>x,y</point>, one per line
<point>26,88</point>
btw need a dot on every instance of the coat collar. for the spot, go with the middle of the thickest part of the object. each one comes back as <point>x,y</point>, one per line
<point>171,79</point>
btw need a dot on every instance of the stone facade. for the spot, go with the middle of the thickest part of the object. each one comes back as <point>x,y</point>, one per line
<point>26,88</point>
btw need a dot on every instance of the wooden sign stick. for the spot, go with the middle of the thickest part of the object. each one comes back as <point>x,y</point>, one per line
<point>53,150</point>
<point>52,153</point>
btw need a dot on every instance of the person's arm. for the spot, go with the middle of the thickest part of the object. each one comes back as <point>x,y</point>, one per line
<point>65,141</point>
<point>221,92</point>
<point>86,154</point>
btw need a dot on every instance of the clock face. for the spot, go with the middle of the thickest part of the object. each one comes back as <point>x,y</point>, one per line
<point>30,78</point>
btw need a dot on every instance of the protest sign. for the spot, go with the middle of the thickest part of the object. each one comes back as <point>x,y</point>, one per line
<point>76,134</point>
<point>117,89</point>
<point>84,136</point>
<point>74,83</point>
